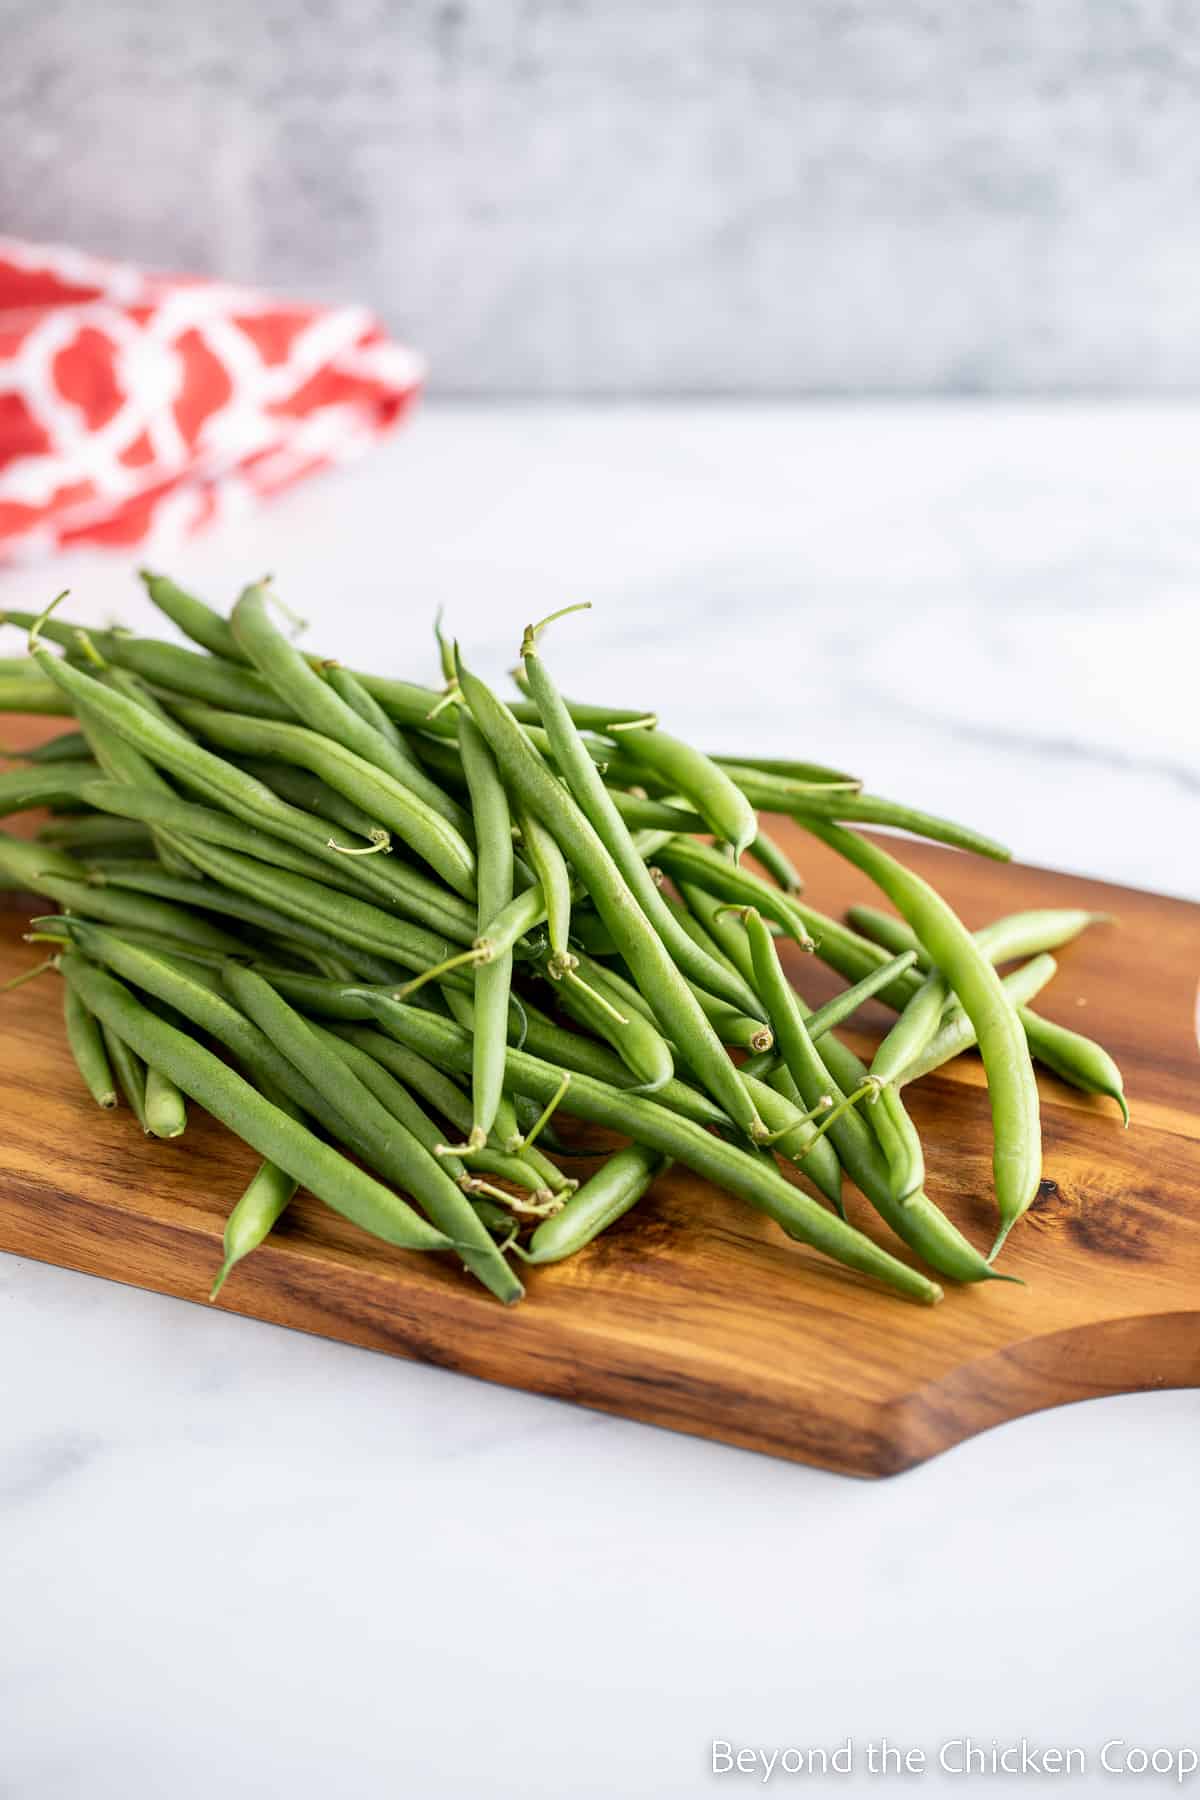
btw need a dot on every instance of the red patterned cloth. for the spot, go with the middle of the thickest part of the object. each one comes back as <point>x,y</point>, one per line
<point>135,405</point>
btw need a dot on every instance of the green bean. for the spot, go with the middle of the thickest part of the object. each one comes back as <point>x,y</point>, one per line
<point>395,806</point>
<point>1005,940</point>
<point>86,1043</point>
<point>409,1163</point>
<point>194,618</point>
<point>599,1203</point>
<point>278,900</point>
<point>166,1114</point>
<point>260,1207</point>
<point>308,793</point>
<point>795,1136</point>
<point>653,969</point>
<point>554,878</point>
<point>834,1073</point>
<point>119,760</point>
<point>587,995</point>
<point>956,1032</point>
<point>1012,1089</point>
<point>69,746</point>
<point>494,877</point>
<point>623,859</point>
<point>322,707</point>
<point>443,1094</point>
<point>19,694</point>
<point>701,935</point>
<point>24,863</point>
<point>914,1028</point>
<point>899,1140</point>
<point>808,773</point>
<point>779,794</point>
<point>718,800</point>
<point>119,906</point>
<point>212,680</point>
<point>836,1011</point>
<point>196,994</point>
<point>350,689</point>
<point>412,893</point>
<point>752,1178</point>
<point>777,863</point>
<point>214,777</point>
<point>46,784</point>
<point>723,927</point>
<point>129,1069</point>
<point>697,866</point>
<point>210,1082</point>
<point>641,813</point>
<point>1075,1058</point>
<point>1070,1055</point>
<point>97,837</point>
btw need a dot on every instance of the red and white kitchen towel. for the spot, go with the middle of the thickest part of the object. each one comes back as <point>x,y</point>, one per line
<point>137,406</point>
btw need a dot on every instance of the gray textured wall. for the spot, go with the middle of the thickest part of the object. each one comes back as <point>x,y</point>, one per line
<point>614,196</point>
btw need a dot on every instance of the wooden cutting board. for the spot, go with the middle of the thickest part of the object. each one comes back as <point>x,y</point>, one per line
<point>694,1312</point>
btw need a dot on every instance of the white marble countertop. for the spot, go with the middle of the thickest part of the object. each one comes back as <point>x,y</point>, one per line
<point>241,1560</point>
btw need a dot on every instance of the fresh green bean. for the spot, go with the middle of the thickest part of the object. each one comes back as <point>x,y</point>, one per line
<point>166,1113</point>
<point>587,995</point>
<point>599,1203</point>
<point>196,994</point>
<point>718,800</point>
<point>97,838</point>
<point>835,1012</point>
<point>1070,1055</point>
<point>44,784</point>
<point>322,708</point>
<point>779,794</point>
<point>308,793</point>
<point>832,1074</point>
<point>214,1086</point>
<point>412,894</point>
<point>698,867</point>
<point>409,1163</point>
<point>69,746</point>
<point>749,1176</point>
<point>809,774</point>
<point>640,944</point>
<point>1012,1089</point>
<point>777,863</point>
<point>86,1043</point>
<point>914,1028</point>
<point>795,1136</point>
<point>118,906</point>
<point>494,878</point>
<point>1009,939</point>
<point>20,694</point>
<point>395,806</point>
<point>260,1207</point>
<point>956,1032</point>
<point>554,878</point>
<point>212,680</point>
<point>194,618</point>
<point>1075,1058</point>
<point>129,1069</point>
<point>24,863</point>
<point>218,780</point>
<point>278,900</point>
<point>623,858</point>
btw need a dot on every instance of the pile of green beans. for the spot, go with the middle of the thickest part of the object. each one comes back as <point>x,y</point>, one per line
<point>351,916</point>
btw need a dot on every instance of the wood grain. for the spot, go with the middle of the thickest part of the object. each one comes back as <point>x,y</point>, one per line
<point>693,1312</point>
